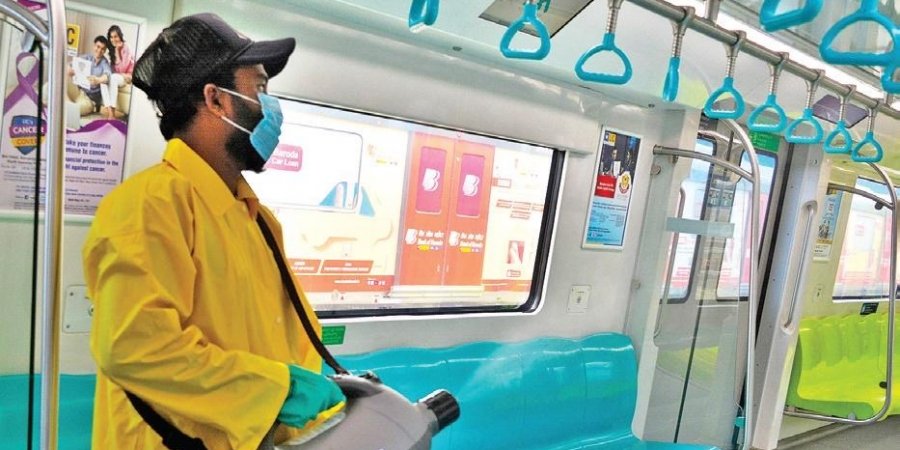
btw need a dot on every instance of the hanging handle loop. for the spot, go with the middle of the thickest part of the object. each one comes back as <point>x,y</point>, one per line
<point>608,45</point>
<point>807,117</point>
<point>529,16</point>
<point>422,13</point>
<point>840,132</point>
<point>771,102</point>
<point>868,12</point>
<point>728,86</point>
<point>869,140</point>
<point>670,86</point>
<point>772,21</point>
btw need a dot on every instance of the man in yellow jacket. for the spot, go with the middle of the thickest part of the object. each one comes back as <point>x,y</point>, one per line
<point>191,316</point>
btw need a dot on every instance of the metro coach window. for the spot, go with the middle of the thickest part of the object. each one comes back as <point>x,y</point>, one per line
<point>386,216</point>
<point>864,267</point>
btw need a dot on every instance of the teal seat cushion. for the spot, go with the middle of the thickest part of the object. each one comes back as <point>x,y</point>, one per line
<point>541,394</point>
<point>76,409</point>
<point>547,393</point>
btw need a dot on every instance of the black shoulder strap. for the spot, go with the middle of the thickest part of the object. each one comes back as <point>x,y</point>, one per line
<point>172,437</point>
<point>288,280</point>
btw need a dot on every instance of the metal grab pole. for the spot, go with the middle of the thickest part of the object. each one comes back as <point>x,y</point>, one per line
<point>51,35</point>
<point>53,212</point>
<point>892,307</point>
<point>753,297</point>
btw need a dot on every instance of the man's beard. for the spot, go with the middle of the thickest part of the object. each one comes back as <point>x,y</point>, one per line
<point>238,144</point>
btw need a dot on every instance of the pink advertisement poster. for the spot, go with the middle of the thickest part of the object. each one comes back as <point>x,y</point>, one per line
<point>97,103</point>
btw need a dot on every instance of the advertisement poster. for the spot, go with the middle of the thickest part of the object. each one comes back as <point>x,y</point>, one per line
<point>611,197</point>
<point>97,103</point>
<point>825,235</point>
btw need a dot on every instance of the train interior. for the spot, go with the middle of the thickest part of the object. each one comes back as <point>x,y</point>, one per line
<point>583,259</point>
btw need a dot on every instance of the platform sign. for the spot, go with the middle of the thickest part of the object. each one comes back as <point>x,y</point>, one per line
<point>614,177</point>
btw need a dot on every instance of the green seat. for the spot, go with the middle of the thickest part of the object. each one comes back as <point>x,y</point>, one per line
<point>840,365</point>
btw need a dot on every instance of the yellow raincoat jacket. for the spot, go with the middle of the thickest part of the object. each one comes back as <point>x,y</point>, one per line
<point>190,313</point>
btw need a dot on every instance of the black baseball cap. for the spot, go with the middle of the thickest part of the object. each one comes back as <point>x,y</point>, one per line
<point>193,47</point>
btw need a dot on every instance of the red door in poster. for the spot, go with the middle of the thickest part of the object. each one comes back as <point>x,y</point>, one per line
<point>467,216</point>
<point>424,224</point>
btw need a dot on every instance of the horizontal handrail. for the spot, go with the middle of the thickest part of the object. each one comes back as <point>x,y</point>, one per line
<point>672,151</point>
<point>839,187</point>
<point>711,29</point>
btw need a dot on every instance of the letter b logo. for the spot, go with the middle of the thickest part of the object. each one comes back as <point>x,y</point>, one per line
<point>470,185</point>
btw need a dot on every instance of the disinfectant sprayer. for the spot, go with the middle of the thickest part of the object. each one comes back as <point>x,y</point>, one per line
<point>376,416</point>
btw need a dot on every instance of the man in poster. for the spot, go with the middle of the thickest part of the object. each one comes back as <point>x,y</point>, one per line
<point>89,72</point>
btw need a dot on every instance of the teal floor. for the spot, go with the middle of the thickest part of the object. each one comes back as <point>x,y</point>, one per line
<point>882,435</point>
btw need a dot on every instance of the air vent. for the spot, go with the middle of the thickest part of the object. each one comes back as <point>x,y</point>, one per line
<point>505,12</point>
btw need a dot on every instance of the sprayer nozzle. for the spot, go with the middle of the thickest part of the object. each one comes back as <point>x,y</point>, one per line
<point>444,407</point>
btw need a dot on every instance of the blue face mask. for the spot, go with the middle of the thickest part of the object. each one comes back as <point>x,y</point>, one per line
<point>264,136</point>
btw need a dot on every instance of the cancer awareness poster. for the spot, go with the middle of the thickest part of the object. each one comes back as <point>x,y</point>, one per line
<point>827,226</point>
<point>97,98</point>
<point>611,196</point>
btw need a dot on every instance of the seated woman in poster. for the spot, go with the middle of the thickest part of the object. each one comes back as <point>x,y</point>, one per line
<point>122,61</point>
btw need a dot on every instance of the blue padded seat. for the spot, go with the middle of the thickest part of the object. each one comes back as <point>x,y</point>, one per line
<point>547,394</point>
<point>76,410</point>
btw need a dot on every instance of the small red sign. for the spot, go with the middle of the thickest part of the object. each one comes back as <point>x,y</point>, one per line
<point>606,186</point>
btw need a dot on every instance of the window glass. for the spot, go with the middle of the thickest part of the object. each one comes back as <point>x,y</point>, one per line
<point>383,215</point>
<point>693,190</point>
<point>736,260</point>
<point>864,267</point>
<point>734,275</point>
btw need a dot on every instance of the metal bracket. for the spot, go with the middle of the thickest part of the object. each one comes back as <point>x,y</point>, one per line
<point>734,50</point>
<point>813,86</point>
<point>776,70</point>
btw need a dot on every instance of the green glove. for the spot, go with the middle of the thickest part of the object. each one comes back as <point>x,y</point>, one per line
<point>310,394</point>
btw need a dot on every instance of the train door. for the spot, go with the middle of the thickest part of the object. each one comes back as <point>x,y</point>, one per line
<point>468,218</point>
<point>428,197</point>
<point>694,352</point>
<point>445,220</point>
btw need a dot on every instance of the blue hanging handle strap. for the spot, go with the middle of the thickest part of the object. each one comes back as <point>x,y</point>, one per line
<point>772,21</point>
<point>771,102</point>
<point>869,140</point>
<point>840,131</point>
<point>887,78</point>
<point>422,13</point>
<point>529,16</point>
<point>807,117</point>
<point>728,86</point>
<point>868,12</point>
<point>670,86</point>
<point>608,45</point>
